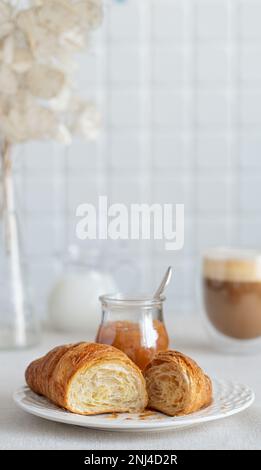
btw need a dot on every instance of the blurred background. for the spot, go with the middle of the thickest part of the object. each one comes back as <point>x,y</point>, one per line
<point>178,85</point>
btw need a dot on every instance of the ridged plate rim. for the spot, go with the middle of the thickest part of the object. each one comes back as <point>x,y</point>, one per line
<point>229,398</point>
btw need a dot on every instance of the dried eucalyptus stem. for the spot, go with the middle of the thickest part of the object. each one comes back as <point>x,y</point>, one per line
<point>12,245</point>
<point>7,202</point>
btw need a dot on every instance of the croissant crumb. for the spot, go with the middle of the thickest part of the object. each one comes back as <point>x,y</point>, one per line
<point>89,378</point>
<point>176,385</point>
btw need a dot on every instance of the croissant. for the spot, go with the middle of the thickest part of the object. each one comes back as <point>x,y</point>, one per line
<point>88,378</point>
<point>176,385</point>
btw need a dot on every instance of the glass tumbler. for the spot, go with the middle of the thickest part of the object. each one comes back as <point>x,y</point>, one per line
<point>231,292</point>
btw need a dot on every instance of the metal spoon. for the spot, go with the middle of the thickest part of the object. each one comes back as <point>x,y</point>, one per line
<point>163,283</point>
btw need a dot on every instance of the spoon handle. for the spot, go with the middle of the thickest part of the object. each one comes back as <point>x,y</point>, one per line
<point>163,283</point>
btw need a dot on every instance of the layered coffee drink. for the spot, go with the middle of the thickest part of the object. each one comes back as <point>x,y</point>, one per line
<point>232,292</point>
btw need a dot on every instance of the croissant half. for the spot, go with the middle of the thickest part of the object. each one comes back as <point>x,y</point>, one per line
<point>89,378</point>
<point>176,385</point>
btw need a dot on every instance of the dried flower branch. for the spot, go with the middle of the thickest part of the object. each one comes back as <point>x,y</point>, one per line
<point>37,42</point>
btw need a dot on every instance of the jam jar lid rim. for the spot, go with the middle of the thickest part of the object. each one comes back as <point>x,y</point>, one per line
<point>119,298</point>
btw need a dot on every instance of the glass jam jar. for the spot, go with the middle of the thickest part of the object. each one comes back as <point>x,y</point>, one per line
<point>133,325</point>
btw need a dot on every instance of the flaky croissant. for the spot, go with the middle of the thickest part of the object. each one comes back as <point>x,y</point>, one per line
<point>89,378</point>
<point>176,385</point>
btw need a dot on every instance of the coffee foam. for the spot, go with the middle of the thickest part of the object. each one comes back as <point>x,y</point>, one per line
<point>232,265</point>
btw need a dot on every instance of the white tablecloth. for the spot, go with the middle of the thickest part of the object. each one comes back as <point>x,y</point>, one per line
<point>19,430</point>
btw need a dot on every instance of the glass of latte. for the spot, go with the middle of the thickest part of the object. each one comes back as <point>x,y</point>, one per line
<point>231,292</point>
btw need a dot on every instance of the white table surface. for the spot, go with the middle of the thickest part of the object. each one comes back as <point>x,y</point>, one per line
<point>19,430</point>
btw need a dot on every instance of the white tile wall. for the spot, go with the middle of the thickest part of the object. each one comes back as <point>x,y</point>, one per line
<point>211,19</point>
<point>179,86</point>
<point>249,14</point>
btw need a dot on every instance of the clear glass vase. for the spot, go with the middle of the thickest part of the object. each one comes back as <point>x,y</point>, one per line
<point>18,326</point>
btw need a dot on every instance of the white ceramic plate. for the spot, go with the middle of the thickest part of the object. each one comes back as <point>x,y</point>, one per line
<point>229,398</point>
